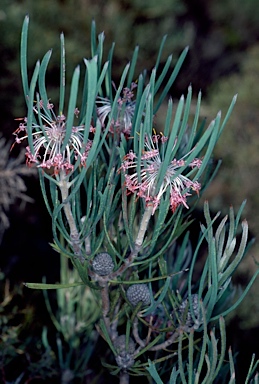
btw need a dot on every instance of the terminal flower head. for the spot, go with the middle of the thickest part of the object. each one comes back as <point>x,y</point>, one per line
<point>144,182</point>
<point>48,139</point>
<point>125,111</point>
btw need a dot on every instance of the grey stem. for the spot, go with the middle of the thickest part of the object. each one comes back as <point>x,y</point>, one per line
<point>74,235</point>
<point>124,377</point>
<point>105,305</point>
<point>143,226</point>
<point>138,242</point>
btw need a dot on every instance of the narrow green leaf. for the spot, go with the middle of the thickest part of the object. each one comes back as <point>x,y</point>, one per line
<point>62,74</point>
<point>171,79</point>
<point>213,287</point>
<point>239,213</point>
<point>93,38</point>
<point>252,369</point>
<point>160,298</point>
<point>220,239</point>
<point>190,357</point>
<point>240,254</point>
<point>222,346</point>
<point>39,115</point>
<point>204,346</point>
<point>132,66</point>
<point>194,125</point>
<point>137,121</point>
<point>231,365</point>
<point>50,311</point>
<point>99,52</point>
<point>84,98</point>
<point>30,115</point>
<point>71,107</point>
<point>162,44</point>
<point>184,121</point>
<point>170,144</point>
<point>24,69</point>
<point>44,192</point>
<point>102,77</point>
<point>153,372</point>
<point>108,77</point>
<point>213,357</point>
<point>150,345</point>
<point>107,336</point>
<point>205,380</point>
<point>233,102</point>
<point>51,286</point>
<point>42,80</point>
<point>212,142</point>
<point>163,74</point>
<point>180,358</point>
<point>240,299</point>
<point>92,72</point>
<point>169,113</point>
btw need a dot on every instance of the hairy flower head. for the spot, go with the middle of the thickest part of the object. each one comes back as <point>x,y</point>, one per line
<point>48,138</point>
<point>144,182</point>
<point>125,111</point>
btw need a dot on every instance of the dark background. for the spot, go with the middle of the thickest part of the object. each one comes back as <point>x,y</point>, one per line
<point>223,36</point>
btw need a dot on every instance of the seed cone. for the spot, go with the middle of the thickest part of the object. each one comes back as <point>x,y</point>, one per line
<point>137,293</point>
<point>103,264</point>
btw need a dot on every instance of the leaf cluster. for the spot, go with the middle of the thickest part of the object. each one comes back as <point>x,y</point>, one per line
<point>92,211</point>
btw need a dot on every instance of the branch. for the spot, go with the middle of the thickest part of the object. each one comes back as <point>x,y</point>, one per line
<point>106,305</point>
<point>138,243</point>
<point>74,235</point>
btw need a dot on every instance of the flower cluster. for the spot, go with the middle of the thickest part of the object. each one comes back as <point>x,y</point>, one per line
<point>125,111</point>
<point>48,138</point>
<point>144,182</point>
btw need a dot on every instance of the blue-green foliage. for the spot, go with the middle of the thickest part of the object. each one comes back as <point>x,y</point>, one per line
<point>112,183</point>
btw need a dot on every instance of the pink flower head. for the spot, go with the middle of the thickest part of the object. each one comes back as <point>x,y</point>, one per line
<point>144,183</point>
<point>125,111</point>
<point>48,142</point>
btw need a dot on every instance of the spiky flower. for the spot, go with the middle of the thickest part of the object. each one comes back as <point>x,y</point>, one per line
<point>137,293</point>
<point>144,182</point>
<point>103,264</point>
<point>48,138</point>
<point>125,111</point>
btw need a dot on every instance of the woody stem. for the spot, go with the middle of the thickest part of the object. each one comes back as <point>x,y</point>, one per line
<point>74,235</point>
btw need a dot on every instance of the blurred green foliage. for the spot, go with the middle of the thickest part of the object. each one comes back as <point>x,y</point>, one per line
<point>239,148</point>
<point>216,32</point>
<point>128,24</point>
<point>238,176</point>
<point>219,34</point>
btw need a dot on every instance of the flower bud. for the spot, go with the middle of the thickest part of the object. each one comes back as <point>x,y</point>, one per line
<point>103,264</point>
<point>124,356</point>
<point>137,293</point>
<point>120,345</point>
<point>185,312</point>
